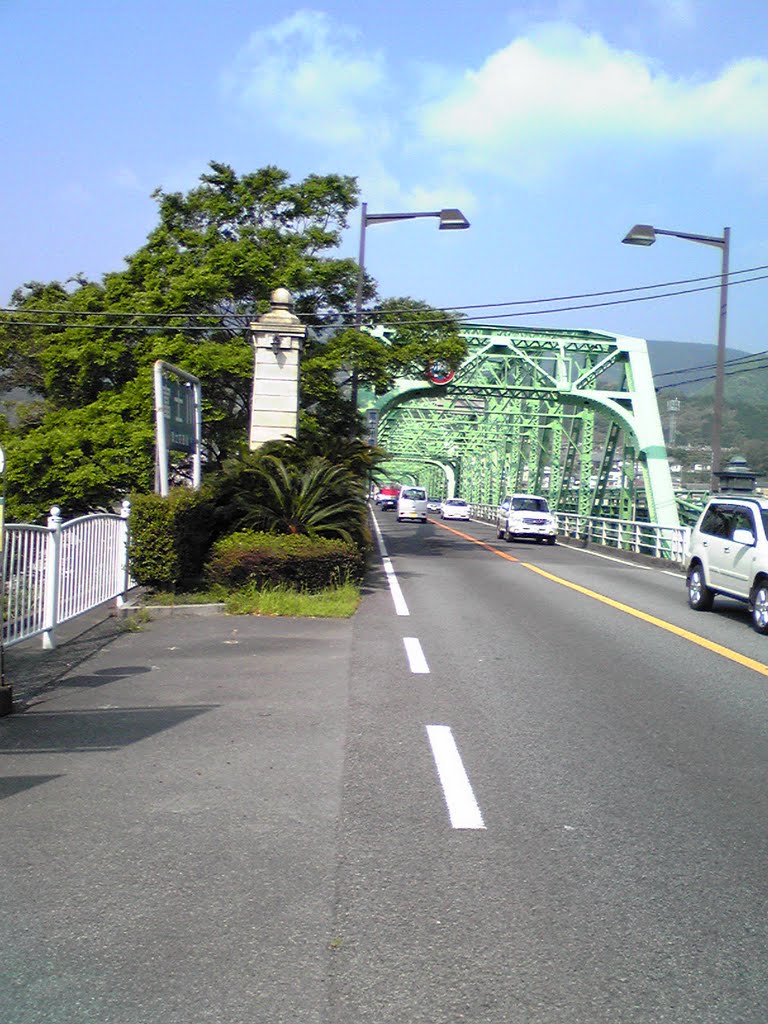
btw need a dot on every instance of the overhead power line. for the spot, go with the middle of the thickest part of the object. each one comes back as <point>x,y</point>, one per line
<point>390,322</point>
<point>711,376</point>
<point>707,366</point>
<point>231,315</point>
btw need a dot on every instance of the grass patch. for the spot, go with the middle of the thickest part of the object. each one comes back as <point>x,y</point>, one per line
<point>337,602</point>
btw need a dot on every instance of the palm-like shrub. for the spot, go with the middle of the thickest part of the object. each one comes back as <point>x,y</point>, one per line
<point>318,500</point>
<point>350,453</point>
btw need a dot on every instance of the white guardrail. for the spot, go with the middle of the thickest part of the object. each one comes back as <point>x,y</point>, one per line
<point>54,573</point>
<point>667,542</point>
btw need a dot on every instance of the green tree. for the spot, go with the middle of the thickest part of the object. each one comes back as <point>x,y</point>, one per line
<point>83,350</point>
<point>403,337</point>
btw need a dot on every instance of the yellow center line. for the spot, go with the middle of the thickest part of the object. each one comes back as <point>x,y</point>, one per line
<point>669,627</point>
<point>480,543</point>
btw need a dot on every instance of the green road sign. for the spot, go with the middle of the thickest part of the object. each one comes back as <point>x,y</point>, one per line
<point>179,415</point>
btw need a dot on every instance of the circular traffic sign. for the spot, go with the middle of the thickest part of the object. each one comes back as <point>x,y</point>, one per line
<point>440,373</point>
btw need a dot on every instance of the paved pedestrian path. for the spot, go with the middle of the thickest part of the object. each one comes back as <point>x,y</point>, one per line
<point>170,799</point>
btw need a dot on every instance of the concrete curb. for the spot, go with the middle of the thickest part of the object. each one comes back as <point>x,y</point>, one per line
<point>162,611</point>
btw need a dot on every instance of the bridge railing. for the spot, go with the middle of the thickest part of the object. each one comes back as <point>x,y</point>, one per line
<point>667,542</point>
<point>56,572</point>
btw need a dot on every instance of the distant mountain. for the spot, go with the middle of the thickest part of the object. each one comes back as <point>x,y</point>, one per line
<point>689,369</point>
<point>690,366</point>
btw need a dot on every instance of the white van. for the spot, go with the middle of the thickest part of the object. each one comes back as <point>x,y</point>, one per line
<point>412,504</point>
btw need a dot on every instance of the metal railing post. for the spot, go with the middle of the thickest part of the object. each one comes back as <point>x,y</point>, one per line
<point>123,571</point>
<point>52,565</point>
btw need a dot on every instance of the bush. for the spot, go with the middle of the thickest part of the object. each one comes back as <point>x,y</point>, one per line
<point>292,493</point>
<point>301,562</point>
<point>169,537</point>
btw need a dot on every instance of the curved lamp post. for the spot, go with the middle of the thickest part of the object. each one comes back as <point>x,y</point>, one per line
<point>450,220</point>
<point>644,234</point>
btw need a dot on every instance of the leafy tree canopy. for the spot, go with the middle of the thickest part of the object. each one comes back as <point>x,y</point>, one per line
<point>83,351</point>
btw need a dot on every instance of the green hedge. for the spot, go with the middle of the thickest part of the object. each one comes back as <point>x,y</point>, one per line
<point>169,537</point>
<point>302,562</point>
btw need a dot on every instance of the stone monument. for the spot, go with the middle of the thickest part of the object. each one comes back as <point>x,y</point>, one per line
<point>278,337</point>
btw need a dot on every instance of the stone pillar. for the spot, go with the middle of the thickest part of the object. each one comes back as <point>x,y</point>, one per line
<point>277,339</point>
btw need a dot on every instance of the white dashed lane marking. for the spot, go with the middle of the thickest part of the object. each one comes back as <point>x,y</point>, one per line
<point>460,800</point>
<point>416,658</point>
<point>401,608</point>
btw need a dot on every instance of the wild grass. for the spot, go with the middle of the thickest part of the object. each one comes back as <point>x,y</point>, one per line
<point>338,602</point>
<point>335,602</point>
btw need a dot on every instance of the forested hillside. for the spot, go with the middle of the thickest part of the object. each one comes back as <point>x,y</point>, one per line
<point>686,372</point>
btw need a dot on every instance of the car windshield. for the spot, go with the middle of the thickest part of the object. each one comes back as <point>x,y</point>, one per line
<point>530,505</point>
<point>455,501</point>
<point>764,517</point>
<point>414,493</point>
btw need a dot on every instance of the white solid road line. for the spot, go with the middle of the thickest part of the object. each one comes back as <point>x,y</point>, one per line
<point>416,658</point>
<point>462,806</point>
<point>401,608</point>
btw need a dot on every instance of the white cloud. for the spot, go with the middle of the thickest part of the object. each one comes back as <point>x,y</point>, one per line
<point>560,90</point>
<point>385,192</point>
<point>312,78</point>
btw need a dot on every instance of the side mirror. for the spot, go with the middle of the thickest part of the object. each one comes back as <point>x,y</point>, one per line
<point>744,537</point>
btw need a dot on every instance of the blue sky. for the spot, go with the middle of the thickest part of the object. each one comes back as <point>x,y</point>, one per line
<point>554,126</point>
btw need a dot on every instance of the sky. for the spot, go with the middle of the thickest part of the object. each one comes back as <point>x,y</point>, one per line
<point>553,126</point>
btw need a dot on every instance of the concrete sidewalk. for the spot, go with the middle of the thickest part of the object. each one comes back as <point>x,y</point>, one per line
<point>169,829</point>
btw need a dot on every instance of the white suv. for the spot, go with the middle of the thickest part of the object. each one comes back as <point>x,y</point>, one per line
<point>525,515</point>
<point>728,554</point>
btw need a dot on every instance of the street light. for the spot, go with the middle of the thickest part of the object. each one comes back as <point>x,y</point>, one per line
<point>644,234</point>
<point>450,220</point>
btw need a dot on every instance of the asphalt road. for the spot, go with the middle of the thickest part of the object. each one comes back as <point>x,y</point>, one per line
<point>619,771</point>
<point>537,798</point>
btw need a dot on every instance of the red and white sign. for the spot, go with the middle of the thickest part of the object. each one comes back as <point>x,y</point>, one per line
<point>440,373</point>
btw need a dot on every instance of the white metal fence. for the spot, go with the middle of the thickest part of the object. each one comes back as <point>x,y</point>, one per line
<point>53,573</point>
<point>668,542</point>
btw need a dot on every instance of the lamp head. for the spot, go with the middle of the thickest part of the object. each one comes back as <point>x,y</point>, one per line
<point>640,234</point>
<point>452,220</point>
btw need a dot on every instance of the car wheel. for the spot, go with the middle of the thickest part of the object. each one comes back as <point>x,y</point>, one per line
<point>550,540</point>
<point>499,533</point>
<point>508,536</point>
<point>700,597</point>
<point>760,607</point>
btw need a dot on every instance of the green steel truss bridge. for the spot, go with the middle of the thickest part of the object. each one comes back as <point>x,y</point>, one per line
<point>569,414</point>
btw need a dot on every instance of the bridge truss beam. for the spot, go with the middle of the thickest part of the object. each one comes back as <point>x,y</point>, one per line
<point>543,411</point>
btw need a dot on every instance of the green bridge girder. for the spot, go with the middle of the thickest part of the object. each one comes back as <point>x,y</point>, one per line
<point>570,414</point>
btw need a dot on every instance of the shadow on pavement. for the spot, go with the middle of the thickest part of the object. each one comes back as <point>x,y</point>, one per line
<point>14,784</point>
<point>97,729</point>
<point>103,676</point>
<point>31,671</point>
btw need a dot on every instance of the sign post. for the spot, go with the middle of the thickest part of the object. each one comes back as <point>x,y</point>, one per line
<point>178,421</point>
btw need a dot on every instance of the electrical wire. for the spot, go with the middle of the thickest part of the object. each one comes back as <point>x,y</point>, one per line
<point>442,309</point>
<point>707,366</point>
<point>712,376</point>
<point>613,291</point>
<point>395,323</point>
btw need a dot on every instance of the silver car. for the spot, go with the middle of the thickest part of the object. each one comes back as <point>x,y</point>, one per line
<point>526,515</point>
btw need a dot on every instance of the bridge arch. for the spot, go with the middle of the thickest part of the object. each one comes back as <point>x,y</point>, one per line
<point>569,413</point>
